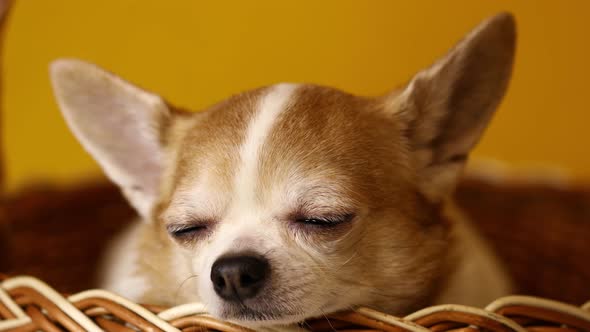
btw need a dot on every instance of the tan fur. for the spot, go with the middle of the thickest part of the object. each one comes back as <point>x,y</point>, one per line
<point>390,163</point>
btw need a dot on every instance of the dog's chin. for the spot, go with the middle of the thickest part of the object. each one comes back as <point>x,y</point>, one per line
<point>254,317</point>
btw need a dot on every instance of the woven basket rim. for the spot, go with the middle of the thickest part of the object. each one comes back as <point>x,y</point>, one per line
<point>27,303</point>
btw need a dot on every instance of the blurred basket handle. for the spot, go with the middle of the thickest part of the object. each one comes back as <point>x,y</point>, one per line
<point>5,6</point>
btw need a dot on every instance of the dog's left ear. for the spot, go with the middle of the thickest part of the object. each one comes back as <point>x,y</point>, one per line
<point>119,124</point>
<point>446,107</point>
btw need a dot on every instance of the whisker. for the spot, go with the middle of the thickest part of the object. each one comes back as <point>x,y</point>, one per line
<point>328,320</point>
<point>347,261</point>
<point>304,324</point>
<point>267,252</point>
<point>177,293</point>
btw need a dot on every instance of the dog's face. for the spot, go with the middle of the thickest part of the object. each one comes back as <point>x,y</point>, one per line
<point>294,200</point>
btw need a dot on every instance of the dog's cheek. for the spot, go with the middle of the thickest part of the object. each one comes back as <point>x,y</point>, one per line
<point>317,268</point>
<point>299,280</point>
<point>402,259</point>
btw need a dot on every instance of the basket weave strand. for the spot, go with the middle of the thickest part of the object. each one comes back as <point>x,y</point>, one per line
<point>28,304</point>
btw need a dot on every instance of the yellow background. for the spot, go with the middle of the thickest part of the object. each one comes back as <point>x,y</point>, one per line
<point>197,52</point>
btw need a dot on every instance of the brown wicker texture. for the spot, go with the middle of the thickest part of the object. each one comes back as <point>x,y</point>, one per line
<point>28,304</point>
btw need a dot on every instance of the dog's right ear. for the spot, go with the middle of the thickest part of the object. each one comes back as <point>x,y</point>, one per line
<point>119,124</point>
<point>445,108</point>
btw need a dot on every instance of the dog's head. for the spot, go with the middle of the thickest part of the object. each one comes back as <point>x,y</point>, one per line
<point>295,200</point>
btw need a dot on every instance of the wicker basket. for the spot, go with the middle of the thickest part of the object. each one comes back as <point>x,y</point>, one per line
<point>27,304</point>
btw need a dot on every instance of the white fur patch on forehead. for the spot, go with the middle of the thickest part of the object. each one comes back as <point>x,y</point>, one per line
<point>270,106</point>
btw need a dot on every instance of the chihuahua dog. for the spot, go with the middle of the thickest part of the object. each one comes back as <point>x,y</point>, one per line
<point>294,200</point>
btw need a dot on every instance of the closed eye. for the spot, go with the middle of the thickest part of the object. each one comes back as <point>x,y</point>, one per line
<point>324,221</point>
<point>184,231</point>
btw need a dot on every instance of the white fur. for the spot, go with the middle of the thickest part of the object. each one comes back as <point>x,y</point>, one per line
<point>479,278</point>
<point>243,226</point>
<point>269,109</point>
<point>120,265</point>
<point>203,196</point>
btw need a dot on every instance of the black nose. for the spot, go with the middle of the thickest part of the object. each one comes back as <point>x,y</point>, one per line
<point>236,278</point>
